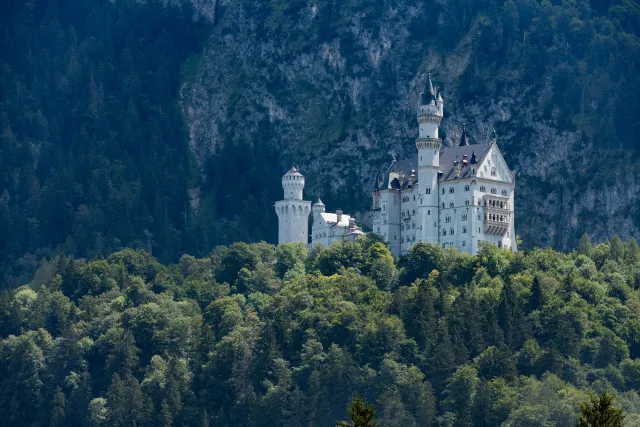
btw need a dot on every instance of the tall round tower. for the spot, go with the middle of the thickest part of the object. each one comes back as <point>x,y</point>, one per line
<point>430,112</point>
<point>293,212</point>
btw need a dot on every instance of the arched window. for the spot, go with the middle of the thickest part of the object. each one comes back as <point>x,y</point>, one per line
<point>451,190</point>
<point>447,219</point>
<point>483,188</point>
<point>493,191</point>
<point>450,204</point>
<point>428,191</point>
<point>464,216</point>
<point>466,202</point>
<point>443,206</point>
<point>444,232</point>
<point>493,171</point>
<point>451,231</point>
<point>464,230</point>
<point>466,188</point>
<point>443,191</point>
<point>402,240</point>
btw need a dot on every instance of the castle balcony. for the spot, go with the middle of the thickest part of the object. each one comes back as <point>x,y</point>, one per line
<point>498,228</point>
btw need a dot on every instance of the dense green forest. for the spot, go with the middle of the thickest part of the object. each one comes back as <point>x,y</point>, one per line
<point>94,151</point>
<point>257,335</point>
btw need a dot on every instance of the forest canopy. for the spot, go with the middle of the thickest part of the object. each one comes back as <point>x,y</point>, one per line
<point>258,335</point>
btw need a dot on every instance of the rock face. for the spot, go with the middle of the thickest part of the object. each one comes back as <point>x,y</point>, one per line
<point>336,84</point>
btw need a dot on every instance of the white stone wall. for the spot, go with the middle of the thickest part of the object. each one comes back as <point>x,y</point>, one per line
<point>293,220</point>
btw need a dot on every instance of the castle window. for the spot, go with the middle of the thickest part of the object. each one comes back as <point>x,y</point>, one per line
<point>466,202</point>
<point>443,191</point>
<point>413,225</point>
<point>464,243</point>
<point>450,204</point>
<point>451,231</point>
<point>429,212</point>
<point>414,197</point>
<point>464,230</point>
<point>428,191</point>
<point>493,191</point>
<point>451,190</point>
<point>466,188</point>
<point>483,188</point>
<point>493,171</point>
<point>444,232</point>
<point>504,192</point>
<point>443,206</point>
<point>447,219</point>
<point>420,201</point>
<point>402,240</point>
<point>464,216</point>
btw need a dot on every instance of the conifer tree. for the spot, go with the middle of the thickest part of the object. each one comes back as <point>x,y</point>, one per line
<point>600,412</point>
<point>585,247</point>
<point>362,415</point>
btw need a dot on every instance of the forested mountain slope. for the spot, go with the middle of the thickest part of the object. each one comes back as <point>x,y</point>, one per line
<point>261,336</point>
<point>167,125</point>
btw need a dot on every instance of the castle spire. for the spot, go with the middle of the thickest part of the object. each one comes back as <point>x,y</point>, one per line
<point>429,95</point>
<point>463,138</point>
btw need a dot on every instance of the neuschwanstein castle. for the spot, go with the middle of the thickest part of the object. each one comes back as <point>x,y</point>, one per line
<point>455,196</point>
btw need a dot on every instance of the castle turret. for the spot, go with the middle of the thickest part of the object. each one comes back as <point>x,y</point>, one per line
<point>293,212</point>
<point>318,208</point>
<point>430,114</point>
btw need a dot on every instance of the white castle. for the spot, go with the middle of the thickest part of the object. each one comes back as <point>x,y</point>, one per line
<point>459,196</point>
<point>293,216</point>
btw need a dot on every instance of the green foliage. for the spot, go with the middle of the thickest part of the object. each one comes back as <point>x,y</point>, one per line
<point>361,414</point>
<point>495,339</point>
<point>600,412</point>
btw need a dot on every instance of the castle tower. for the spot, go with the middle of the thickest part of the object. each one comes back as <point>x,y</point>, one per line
<point>293,212</point>
<point>317,208</point>
<point>430,112</point>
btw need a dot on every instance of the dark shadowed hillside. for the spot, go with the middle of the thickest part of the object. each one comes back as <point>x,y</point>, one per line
<point>167,126</point>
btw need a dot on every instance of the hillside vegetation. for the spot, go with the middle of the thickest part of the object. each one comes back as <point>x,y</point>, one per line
<point>166,125</point>
<point>255,335</point>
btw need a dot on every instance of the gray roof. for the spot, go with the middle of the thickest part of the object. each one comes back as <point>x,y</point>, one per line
<point>293,171</point>
<point>448,155</point>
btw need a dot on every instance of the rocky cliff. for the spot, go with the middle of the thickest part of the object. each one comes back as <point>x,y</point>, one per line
<point>332,87</point>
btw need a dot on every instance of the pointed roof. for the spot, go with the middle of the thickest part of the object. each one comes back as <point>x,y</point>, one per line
<point>293,171</point>
<point>474,159</point>
<point>463,138</point>
<point>429,95</point>
<point>439,97</point>
<point>318,202</point>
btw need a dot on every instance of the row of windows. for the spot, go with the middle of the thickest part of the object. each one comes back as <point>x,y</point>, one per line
<point>496,204</point>
<point>452,231</point>
<point>450,244</point>
<point>494,217</point>
<point>409,239</point>
<point>413,225</point>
